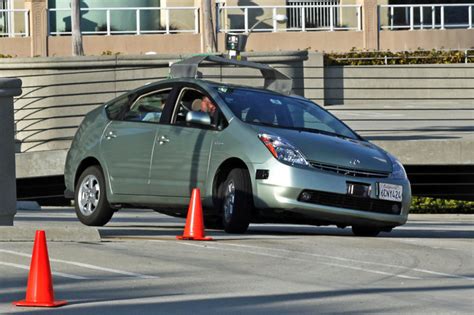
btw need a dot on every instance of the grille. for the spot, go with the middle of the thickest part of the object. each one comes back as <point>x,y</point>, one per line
<point>351,202</point>
<point>317,13</point>
<point>347,171</point>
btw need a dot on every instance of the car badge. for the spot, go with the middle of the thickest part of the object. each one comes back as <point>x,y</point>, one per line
<point>354,162</point>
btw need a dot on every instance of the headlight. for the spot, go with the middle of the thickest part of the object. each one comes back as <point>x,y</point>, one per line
<point>282,150</point>
<point>398,171</point>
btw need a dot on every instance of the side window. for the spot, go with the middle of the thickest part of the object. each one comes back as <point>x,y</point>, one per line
<point>189,100</point>
<point>148,107</point>
<point>115,109</point>
<point>193,100</point>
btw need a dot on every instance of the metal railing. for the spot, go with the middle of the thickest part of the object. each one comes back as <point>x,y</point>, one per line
<point>165,26</point>
<point>9,26</point>
<point>300,18</point>
<point>426,16</point>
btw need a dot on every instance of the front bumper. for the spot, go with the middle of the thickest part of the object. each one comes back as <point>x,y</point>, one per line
<point>285,184</point>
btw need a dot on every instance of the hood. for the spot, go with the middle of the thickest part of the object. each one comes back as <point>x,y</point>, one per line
<point>332,150</point>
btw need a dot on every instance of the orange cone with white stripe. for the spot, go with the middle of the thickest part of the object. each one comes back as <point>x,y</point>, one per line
<point>194,229</point>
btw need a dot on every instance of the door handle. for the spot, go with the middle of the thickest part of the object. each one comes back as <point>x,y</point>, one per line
<point>110,135</point>
<point>163,140</point>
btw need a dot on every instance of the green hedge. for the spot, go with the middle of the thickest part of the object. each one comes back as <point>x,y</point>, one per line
<point>5,56</point>
<point>355,57</point>
<point>432,205</point>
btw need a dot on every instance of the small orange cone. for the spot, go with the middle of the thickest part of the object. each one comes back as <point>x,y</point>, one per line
<point>39,292</point>
<point>194,229</point>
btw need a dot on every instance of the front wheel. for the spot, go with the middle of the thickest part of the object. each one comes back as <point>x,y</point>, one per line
<point>366,231</point>
<point>237,204</point>
<point>92,207</point>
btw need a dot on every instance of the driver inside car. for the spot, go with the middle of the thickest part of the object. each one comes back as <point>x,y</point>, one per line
<point>205,105</point>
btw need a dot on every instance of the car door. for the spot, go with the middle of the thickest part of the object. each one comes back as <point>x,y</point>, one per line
<point>181,157</point>
<point>127,144</point>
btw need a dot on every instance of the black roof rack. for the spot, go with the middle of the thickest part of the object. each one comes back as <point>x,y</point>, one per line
<point>274,79</point>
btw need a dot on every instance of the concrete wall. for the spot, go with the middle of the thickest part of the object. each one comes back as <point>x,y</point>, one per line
<point>400,84</point>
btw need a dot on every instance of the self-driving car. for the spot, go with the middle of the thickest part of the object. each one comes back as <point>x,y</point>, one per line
<point>262,155</point>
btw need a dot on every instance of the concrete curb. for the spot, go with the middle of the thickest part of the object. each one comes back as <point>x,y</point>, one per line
<point>62,234</point>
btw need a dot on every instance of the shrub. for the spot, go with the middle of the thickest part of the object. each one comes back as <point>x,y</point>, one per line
<point>432,205</point>
<point>357,57</point>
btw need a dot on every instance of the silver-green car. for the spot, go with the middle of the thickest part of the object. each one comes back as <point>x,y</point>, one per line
<point>262,156</point>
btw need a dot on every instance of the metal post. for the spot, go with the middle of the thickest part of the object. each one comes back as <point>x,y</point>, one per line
<point>9,23</point>
<point>246,19</point>
<point>470,17</point>
<point>167,20</point>
<point>27,24</point>
<point>274,12</point>
<point>392,9</point>
<point>433,17</point>
<point>9,87</point>
<point>196,20</point>
<point>442,17</point>
<point>359,19</point>
<point>137,15</point>
<point>331,18</point>
<point>303,19</point>
<point>421,17</point>
<point>412,17</point>
<point>107,14</point>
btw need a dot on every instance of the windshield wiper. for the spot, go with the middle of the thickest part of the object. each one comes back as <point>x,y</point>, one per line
<point>311,130</point>
<point>265,124</point>
<point>324,132</point>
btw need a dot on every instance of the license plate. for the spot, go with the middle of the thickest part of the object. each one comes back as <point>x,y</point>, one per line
<point>390,192</point>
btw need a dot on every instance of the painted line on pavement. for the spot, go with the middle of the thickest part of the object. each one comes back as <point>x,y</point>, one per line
<point>304,260</point>
<point>83,265</point>
<point>356,261</point>
<point>55,273</point>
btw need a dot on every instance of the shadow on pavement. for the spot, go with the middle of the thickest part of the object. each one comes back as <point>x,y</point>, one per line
<point>159,299</point>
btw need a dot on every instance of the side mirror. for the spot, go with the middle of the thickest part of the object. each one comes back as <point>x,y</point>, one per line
<point>198,118</point>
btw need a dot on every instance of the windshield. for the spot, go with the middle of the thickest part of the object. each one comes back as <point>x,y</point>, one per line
<point>269,109</point>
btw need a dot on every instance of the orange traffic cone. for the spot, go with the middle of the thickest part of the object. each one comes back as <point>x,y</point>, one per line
<point>194,229</point>
<point>39,292</point>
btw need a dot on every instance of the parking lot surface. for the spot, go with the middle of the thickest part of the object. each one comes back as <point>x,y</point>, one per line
<point>138,267</point>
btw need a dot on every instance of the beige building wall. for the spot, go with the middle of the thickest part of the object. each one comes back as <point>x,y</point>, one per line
<point>128,44</point>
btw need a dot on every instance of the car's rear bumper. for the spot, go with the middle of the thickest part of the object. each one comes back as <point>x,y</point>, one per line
<point>285,184</point>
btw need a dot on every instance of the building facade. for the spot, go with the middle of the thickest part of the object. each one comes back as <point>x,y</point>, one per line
<point>43,27</point>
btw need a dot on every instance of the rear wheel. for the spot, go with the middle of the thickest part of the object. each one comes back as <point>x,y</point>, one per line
<point>92,207</point>
<point>237,204</point>
<point>367,231</point>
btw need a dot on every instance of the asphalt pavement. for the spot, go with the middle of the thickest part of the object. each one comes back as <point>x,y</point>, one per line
<point>138,267</point>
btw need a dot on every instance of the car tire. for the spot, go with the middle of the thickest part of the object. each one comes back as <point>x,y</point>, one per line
<point>92,207</point>
<point>365,231</point>
<point>236,201</point>
<point>213,223</point>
